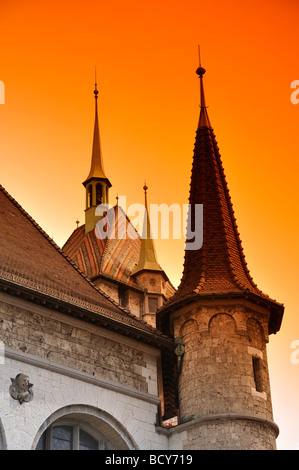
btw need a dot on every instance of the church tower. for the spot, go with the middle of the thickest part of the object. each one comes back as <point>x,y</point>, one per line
<point>96,184</point>
<point>220,320</point>
<point>117,260</point>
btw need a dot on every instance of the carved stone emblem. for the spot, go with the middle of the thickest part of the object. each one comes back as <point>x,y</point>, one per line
<point>20,388</point>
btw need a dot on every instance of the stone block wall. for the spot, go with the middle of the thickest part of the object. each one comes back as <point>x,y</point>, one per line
<point>69,342</point>
<point>231,435</point>
<point>224,369</point>
<point>72,363</point>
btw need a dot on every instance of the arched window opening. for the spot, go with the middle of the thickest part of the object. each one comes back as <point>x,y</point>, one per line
<point>82,427</point>
<point>99,194</point>
<point>90,196</point>
<point>69,435</point>
<point>257,374</point>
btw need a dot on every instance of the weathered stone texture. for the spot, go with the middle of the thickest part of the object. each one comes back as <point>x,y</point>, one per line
<point>230,435</point>
<point>218,373</point>
<point>72,346</point>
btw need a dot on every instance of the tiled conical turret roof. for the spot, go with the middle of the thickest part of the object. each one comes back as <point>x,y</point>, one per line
<point>218,267</point>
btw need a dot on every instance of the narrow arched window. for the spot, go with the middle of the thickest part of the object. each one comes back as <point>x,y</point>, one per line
<point>257,374</point>
<point>89,195</point>
<point>99,194</point>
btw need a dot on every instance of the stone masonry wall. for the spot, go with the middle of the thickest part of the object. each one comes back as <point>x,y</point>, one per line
<point>224,368</point>
<point>230,435</point>
<point>73,343</point>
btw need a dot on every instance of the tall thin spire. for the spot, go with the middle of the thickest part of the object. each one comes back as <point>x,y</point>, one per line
<point>96,184</point>
<point>97,166</point>
<point>147,258</point>
<point>203,117</point>
<point>219,266</point>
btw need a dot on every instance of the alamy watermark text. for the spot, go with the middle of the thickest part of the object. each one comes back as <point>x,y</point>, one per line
<point>164,221</point>
<point>295,94</point>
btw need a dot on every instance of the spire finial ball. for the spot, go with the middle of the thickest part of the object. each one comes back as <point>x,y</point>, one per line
<point>200,71</point>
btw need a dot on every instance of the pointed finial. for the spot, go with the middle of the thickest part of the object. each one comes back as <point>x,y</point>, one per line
<point>203,118</point>
<point>96,92</point>
<point>117,198</point>
<point>200,71</point>
<point>145,187</point>
<point>77,222</point>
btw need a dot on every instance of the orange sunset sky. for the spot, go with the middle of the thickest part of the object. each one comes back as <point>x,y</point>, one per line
<point>146,56</point>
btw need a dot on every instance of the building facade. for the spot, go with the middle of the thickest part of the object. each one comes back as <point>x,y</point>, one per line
<point>99,351</point>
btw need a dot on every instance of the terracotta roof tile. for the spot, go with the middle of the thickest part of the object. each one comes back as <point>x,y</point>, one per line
<point>112,257</point>
<point>219,266</point>
<point>30,260</point>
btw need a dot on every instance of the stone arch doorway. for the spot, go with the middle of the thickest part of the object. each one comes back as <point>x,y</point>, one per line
<point>82,427</point>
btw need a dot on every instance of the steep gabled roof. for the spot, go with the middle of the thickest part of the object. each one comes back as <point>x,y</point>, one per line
<point>32,264</point>
<point>219,266</point>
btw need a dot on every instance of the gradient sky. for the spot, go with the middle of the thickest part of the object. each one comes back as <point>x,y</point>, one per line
<point>146,56</point>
